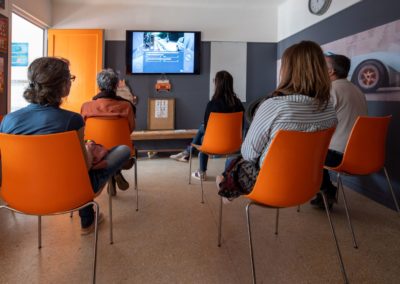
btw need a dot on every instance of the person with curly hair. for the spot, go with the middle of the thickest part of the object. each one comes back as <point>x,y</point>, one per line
<point>49,83</point>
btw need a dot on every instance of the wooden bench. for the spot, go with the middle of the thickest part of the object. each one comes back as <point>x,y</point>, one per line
<point>157,135</point>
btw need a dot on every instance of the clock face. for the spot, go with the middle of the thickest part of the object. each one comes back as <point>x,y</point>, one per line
<point>318,7</point>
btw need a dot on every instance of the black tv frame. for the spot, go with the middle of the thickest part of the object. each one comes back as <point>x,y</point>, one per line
<point>196,61</point>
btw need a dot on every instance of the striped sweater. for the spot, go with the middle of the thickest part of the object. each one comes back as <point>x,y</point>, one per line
<point>293,112</point>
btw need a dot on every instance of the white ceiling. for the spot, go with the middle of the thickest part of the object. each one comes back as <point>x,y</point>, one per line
<point>194,3</point>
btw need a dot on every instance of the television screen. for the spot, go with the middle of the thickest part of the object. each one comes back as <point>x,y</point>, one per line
<point>169,52</point>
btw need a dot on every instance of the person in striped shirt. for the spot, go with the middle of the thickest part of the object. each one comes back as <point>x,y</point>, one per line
<point>301,102</point>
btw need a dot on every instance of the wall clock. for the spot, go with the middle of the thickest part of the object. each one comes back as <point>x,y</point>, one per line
<point>318,7</point>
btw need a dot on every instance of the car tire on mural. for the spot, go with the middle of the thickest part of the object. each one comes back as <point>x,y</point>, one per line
<point>369,76</point>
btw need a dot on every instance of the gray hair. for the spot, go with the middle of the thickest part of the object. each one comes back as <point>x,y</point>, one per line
<point>107,80</point>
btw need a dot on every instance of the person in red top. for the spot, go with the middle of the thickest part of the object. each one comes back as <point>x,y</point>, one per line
<point>108,104</point>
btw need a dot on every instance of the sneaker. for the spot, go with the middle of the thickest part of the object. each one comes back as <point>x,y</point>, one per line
<point>197,174</point>
<point>227,200</point>
<point>121,181</point>
<point>184,158</point>
<point>218,181</point>
<point>151,154</point>
<point>88,230</point>
<point>179,156</point>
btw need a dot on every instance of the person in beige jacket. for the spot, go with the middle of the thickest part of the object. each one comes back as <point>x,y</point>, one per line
<point>349,103</point>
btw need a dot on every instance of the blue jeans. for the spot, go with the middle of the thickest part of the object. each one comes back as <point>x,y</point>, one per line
<point>116,157</point>
<point>198,140</point>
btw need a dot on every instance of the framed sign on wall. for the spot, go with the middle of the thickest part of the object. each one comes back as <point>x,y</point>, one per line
<point>161,113</point>
<point>3,54</point>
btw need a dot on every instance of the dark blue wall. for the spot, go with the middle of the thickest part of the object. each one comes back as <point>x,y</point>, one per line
<point>191,92</point>
<point>360,17</point>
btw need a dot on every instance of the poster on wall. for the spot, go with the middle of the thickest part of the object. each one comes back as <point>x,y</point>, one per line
<point>375,60</point>
<point>3,34</point>
<point>19,54</point>
<point>2,4</point>
<point>3,73</point>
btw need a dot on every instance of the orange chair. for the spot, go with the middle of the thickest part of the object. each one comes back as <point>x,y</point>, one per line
<point>291,175</point>
<point>111,132</point>
<point>46,175</point>
<point>223,136</point>
<point>364,155</point>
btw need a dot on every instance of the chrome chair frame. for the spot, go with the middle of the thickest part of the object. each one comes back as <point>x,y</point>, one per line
<point>346,206</point>
<point>339,255</point>
<point>96,218</point>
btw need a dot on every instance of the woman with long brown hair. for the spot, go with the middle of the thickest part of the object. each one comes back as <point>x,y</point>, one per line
<point>300,103</point>
<point>224,100</point>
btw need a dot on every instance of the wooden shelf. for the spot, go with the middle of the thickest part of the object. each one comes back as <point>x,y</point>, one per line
<point>163,134</point>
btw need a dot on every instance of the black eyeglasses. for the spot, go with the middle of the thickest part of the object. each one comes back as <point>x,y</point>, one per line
<point>72,78</point>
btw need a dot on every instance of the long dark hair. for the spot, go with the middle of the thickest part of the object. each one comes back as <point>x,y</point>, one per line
<point>49,80</point>
<point>224,88</point>
<point>304,71</point>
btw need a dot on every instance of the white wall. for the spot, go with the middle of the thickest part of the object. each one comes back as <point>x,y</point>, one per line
<point>293,15</point>
<point>40,10</point>
<point>217,22</point>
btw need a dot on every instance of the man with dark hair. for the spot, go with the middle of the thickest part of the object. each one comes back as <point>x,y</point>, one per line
<point>349,103</point>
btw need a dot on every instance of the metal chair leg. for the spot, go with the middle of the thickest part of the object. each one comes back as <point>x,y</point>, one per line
<point>96,216</point>
<point>277,221</point>
<point>253,270</point>
<point>40,231</point>
<point>335,239</point>
<point>136,184</point>
<point>340,184</point>
<point>202,191</point>
<point>190,164</point>
<point>220,221</point>
<point>391,190</point>
<point>110,184</point>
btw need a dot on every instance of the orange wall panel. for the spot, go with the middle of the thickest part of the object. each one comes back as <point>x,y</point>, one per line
<point>84,50</point>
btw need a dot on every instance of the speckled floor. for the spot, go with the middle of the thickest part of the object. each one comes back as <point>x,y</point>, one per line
<point>173,239</point>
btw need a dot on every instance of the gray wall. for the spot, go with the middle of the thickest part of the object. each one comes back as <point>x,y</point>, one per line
<point>357,18</point>
<point>191,92</point>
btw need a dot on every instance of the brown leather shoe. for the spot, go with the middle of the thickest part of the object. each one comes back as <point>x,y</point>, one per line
<point>121,181</point>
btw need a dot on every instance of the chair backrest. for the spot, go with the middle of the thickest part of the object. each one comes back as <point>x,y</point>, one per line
<point>291,173</point>
<point>109,132</point>
<point>44,174</point>
<point>365,150</point>
<point>223,133</point>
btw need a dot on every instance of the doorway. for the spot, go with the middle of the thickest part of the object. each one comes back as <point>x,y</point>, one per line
<point>27,44</point>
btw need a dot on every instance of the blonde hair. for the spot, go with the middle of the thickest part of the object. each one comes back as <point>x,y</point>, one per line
<point>304,71</point>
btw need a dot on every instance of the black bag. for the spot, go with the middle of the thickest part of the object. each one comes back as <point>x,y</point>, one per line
<point>239,178</point>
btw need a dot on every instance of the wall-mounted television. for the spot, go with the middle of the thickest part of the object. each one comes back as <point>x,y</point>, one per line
<point>157,52</point>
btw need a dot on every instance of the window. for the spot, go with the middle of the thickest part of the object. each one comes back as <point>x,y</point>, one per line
<point>27,45</point>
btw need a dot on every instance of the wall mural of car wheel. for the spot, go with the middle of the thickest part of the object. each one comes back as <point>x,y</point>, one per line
<point>370,75</point>
<point>375,60</point>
